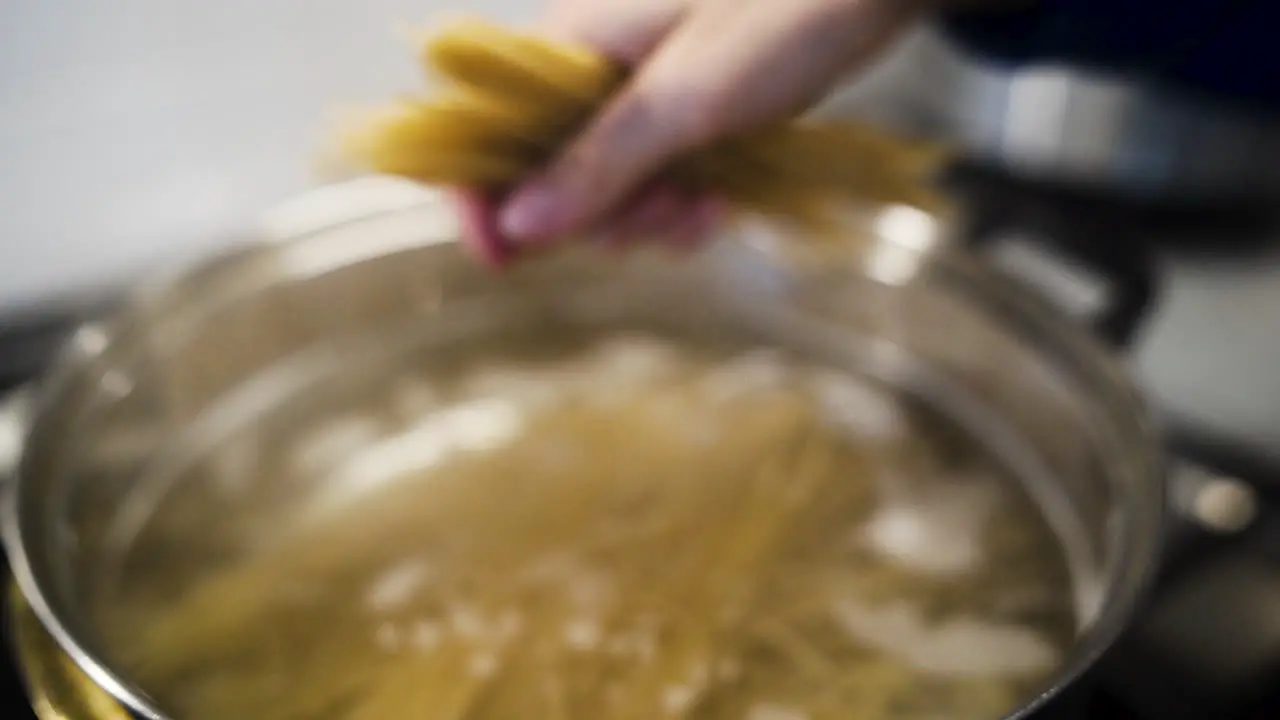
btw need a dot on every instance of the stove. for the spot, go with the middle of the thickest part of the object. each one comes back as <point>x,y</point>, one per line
<point>1207,645</point>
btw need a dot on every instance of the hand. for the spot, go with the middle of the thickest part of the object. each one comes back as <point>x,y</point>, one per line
<point>703,70</point>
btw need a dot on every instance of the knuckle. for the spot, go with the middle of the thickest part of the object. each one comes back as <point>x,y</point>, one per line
<point>670,118</point>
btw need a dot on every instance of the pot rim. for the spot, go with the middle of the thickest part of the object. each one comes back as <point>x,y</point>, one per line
<point>1139,557</point>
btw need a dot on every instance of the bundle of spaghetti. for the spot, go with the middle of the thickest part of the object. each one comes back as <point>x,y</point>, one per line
<point>513,100</point>
<point>551,578</point>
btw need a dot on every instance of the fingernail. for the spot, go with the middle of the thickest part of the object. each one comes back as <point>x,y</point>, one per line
<point>530,214</point>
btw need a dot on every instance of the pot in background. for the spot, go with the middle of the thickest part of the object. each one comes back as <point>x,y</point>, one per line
<point>1111,135</point>
<point>1067,124</point>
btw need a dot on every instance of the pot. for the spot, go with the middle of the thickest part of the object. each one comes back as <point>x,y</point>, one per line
<point>1113,135</point>
<point>339,289</point>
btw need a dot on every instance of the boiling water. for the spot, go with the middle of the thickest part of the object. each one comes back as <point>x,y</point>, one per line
<point>627,528</point>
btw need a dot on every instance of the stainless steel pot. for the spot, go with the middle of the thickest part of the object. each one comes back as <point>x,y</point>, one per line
<point>342,281</point>
<point>1111,134</point>
<point>1071,125</point>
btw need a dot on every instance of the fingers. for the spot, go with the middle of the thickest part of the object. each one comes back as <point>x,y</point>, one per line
<point>674,219</point>
<point>650,216</point>
<point>730,65</point>
<point>625,30</point>
<point>477,218</point>
<point>706,69</point>
<point>664,215</point>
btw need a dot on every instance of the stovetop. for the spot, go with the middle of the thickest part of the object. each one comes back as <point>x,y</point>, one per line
<point>1207,645</point>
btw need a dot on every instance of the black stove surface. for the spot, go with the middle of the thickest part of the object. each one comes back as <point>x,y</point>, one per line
<point>1207,645</point>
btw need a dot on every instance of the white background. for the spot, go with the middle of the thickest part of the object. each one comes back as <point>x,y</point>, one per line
<point>134,131</point>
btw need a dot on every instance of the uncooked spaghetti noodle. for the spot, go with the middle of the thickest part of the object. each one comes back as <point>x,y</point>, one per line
<point>686,546</point>
<point>513,100</point>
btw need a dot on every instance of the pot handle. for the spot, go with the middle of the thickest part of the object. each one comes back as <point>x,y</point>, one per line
<point>1108,283</point>
<point>15,416</point>
<point>1091,270</point>
<point>1203,503</point>
<point>1089,262</point>
<point>15,419</point>
<point>1080,253</point>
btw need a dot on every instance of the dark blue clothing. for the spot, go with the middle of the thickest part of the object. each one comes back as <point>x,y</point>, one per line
<point>1224,48</point>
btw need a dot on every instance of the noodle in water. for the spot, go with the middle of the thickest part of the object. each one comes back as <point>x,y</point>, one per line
<point>652,534</point>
